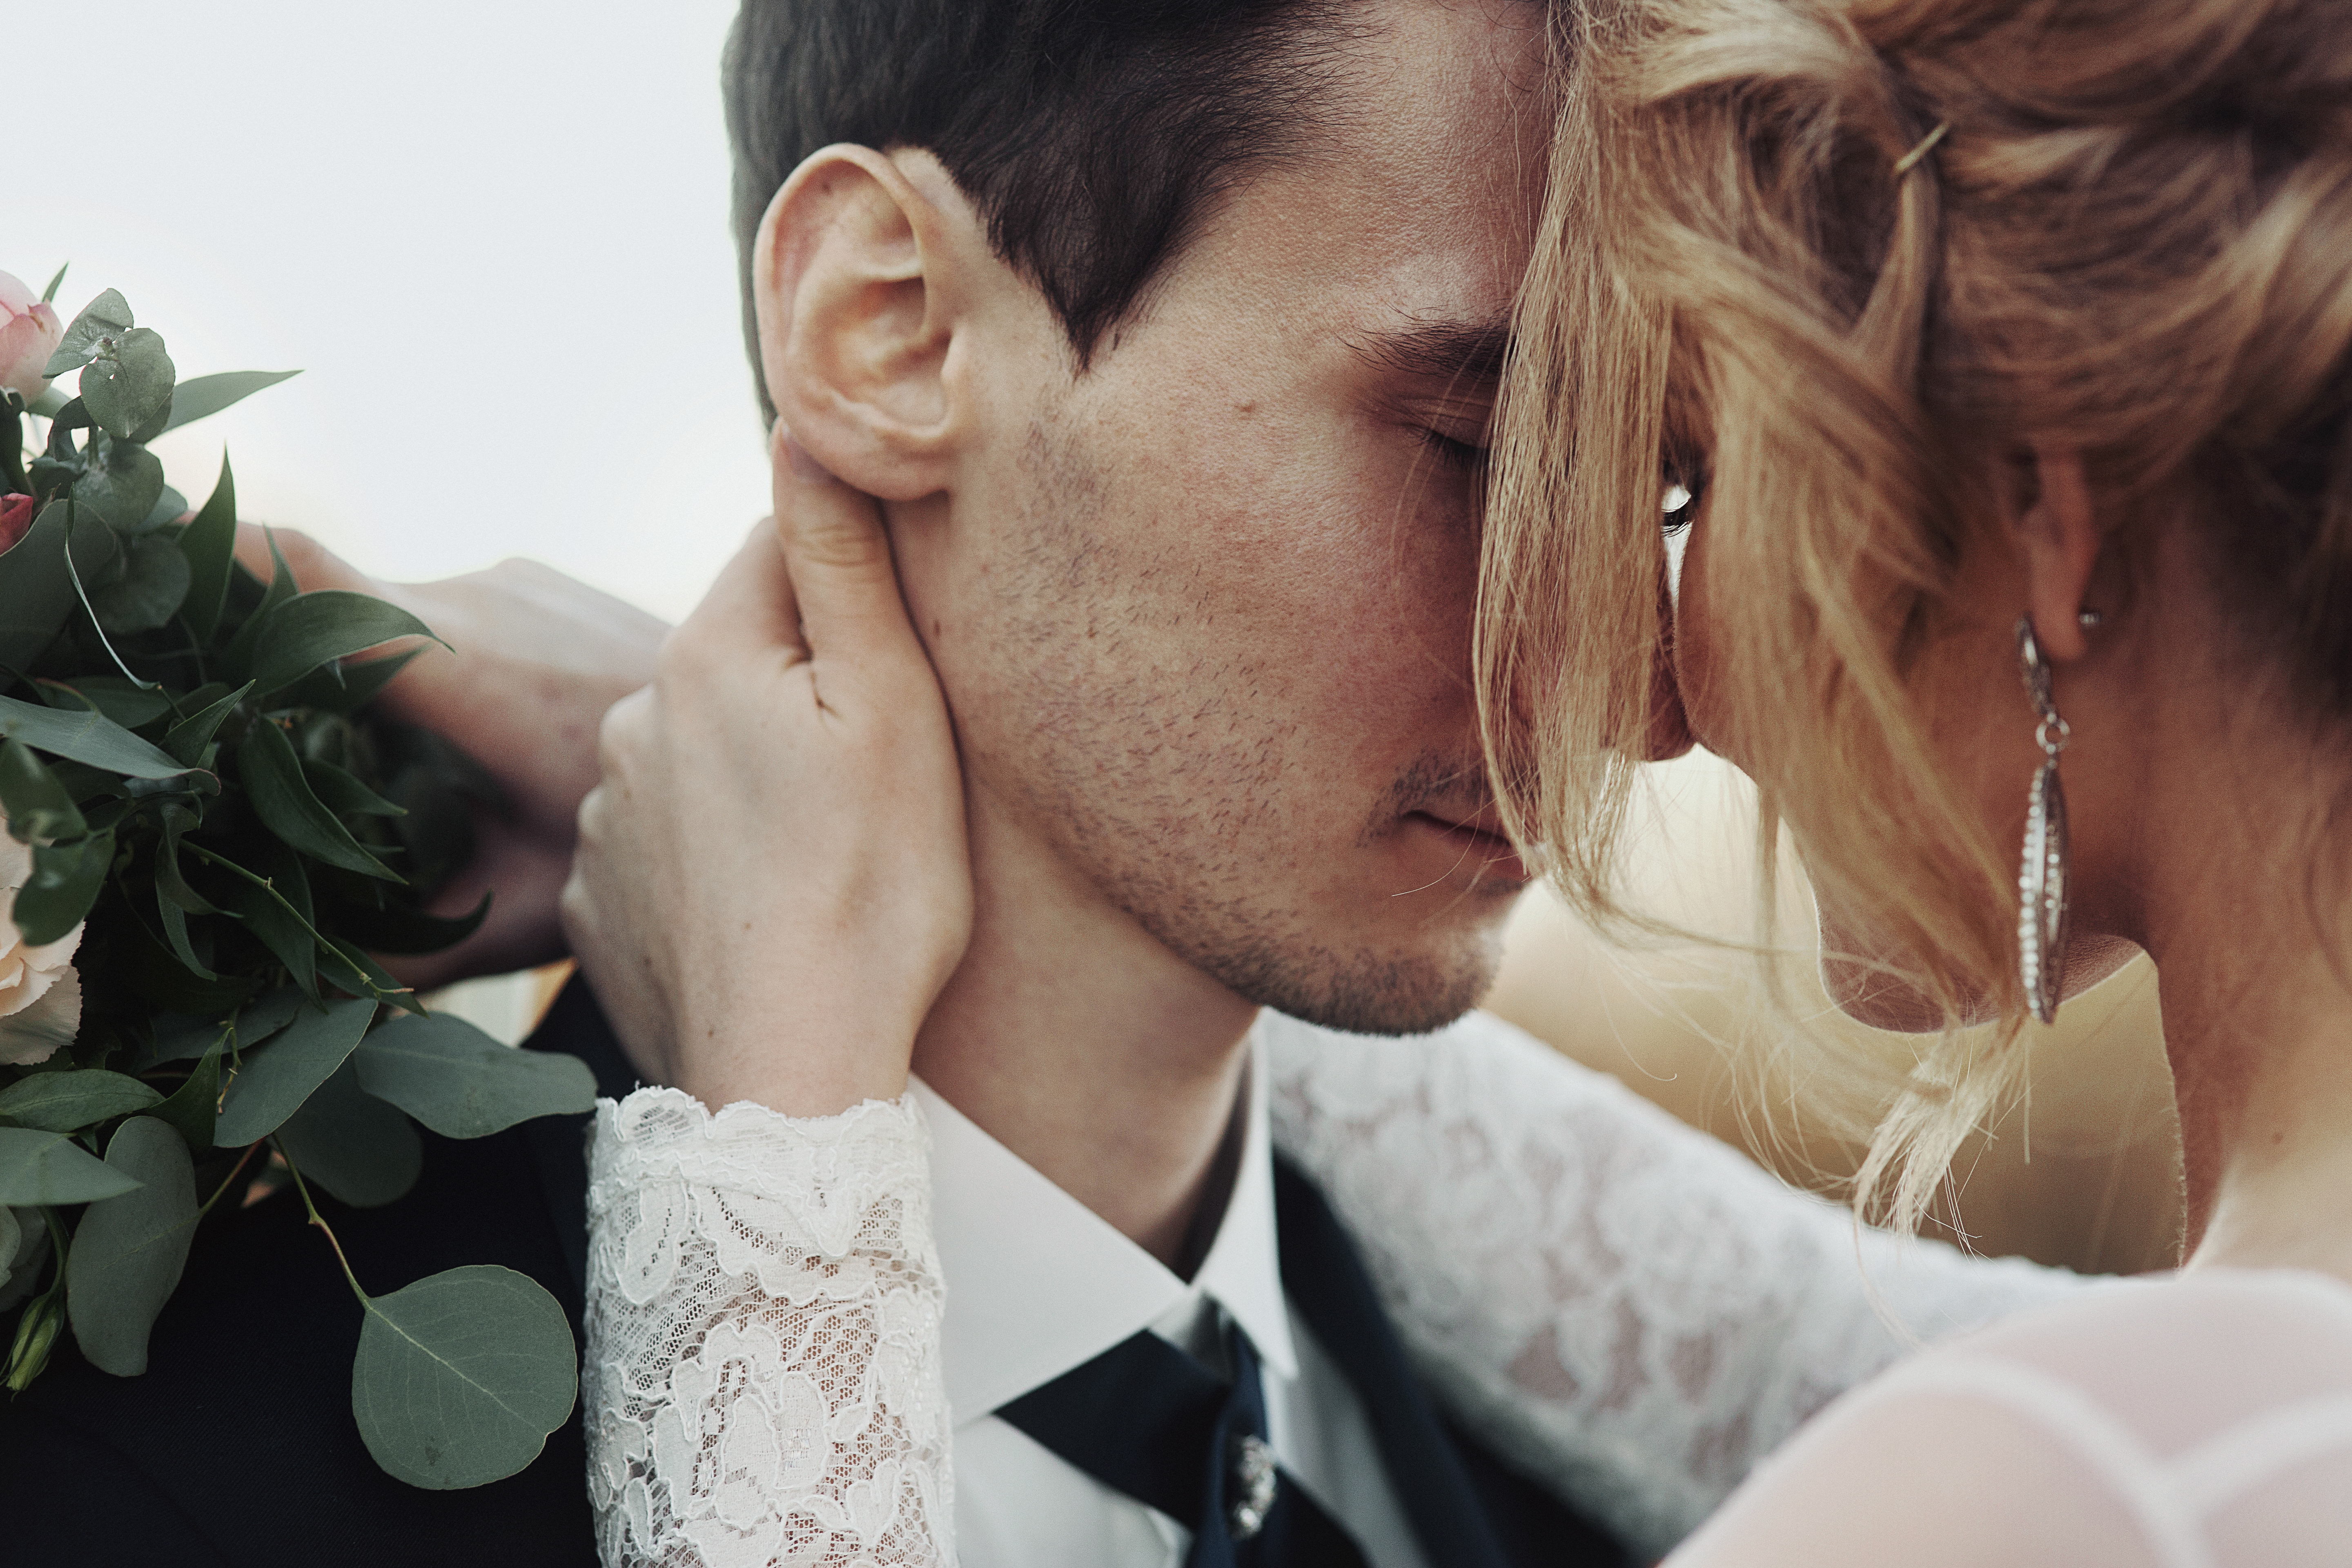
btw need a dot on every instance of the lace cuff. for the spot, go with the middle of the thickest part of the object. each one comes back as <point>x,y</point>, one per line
<point>763,1379</point>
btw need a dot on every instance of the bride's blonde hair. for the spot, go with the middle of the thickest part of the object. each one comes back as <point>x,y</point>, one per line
<point>1850,254</point>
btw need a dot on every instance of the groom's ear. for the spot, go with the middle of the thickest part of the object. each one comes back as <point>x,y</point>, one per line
<point>861,279</point>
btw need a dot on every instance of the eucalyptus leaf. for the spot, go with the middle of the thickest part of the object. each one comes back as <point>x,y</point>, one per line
<point>150,590</point>
<point>462,1083</point>
<point>129,389</point>
<point>121,487</point>
<point>311,629</point>
<point>38,804</point>
<point>208,394</point>
<point>263,1016</point>
<point>128,1252</point>
<point>63,1102</point>
<point>209,542</point>
<point>461,1376</point>
<point>282,798</point>
<point>194,1108</point>
<point>23,1237</point>
<point>275,1080</point>
<point>170,507</point>
<point>36,595</point>
<point>95,551</point>
<point>38,1167</point>
<point>65,882</point>
<point>353,1144</point>
<point>101,319</point>
<point>127,705</point>
<point>90,738</point>
<point>175,1036</point>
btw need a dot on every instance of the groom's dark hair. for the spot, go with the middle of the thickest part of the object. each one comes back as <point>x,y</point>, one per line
<point>1093,136</point>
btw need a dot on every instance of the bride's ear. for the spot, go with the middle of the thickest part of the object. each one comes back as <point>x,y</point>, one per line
<point>859,291</point>
<point>2057,530</point>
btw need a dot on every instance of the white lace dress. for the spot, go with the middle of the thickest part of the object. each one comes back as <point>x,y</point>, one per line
<point>1627,1308</point>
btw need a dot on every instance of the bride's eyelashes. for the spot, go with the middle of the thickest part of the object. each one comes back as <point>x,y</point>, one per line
<point>1463,457</point>
<point>1682,486</point>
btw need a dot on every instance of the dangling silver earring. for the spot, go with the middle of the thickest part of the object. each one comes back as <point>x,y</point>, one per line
<point>2042,878</point>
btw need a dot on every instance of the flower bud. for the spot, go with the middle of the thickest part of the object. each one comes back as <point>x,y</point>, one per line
<point>36,1331</point>
<point>29,333</point>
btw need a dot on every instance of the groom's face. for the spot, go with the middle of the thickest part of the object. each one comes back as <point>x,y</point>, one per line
<point>1203,610</point>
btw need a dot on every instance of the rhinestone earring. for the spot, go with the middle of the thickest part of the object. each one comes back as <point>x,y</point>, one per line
<point>2041,876</point>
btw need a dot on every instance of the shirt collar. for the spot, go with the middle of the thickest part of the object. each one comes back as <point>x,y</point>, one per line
<point>1037,1283</point>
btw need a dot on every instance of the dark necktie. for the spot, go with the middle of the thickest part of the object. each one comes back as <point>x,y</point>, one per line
<point>1150,1421</point>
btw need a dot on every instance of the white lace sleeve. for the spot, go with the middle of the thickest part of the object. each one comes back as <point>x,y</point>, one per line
<point>762,1382</point>
<point>1627,1308</point>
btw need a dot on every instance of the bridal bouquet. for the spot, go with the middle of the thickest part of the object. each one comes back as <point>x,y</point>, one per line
<point>208,834</point>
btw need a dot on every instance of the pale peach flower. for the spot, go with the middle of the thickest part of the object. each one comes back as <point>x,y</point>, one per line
<point>29,333</point>
<point>41,994</point>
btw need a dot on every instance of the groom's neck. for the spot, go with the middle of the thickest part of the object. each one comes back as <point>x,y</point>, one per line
<point>1079,1041</point>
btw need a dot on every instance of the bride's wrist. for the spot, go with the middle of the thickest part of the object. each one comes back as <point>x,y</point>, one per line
<point>796,1070</point>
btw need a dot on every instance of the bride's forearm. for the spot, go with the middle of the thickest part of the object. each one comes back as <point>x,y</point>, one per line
<point>763,1377</point>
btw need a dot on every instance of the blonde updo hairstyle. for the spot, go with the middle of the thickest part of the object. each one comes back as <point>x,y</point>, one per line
<point>2129,231</point>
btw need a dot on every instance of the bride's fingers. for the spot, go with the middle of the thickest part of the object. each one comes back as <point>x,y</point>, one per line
<point>750,606</point>
<point>838,555</point>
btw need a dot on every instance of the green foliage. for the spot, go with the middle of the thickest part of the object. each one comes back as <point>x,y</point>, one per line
<point>42,1166</point>
<point>463,1084</point>
<point>88,737</point>
<point>194,1109</point>
<point>189,753</point>
<point>461,1376</point>
<point>309,631</point>
<point>62,1101</point>
<point>88,333</point>
<point>362,1149</point>
<point>277,1077</point>
<point>128,1252</point>
<point>208,394</point>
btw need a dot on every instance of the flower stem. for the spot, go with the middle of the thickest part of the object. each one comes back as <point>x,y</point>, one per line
<point>232,1176</point>
<point>303,1188</point>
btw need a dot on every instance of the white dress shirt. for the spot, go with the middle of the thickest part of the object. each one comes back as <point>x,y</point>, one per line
<point>1038,1284</point>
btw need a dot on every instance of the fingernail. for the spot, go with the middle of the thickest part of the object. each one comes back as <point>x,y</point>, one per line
<point>804,468</point>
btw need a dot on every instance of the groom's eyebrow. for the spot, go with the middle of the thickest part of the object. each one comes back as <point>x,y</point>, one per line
<point>1465,356</point>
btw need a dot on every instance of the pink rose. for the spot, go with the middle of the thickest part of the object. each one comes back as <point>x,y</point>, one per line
<point>40,994</point>
<point>29,331</point>
<point>15,519</point>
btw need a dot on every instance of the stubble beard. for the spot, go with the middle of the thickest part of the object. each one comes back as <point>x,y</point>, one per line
<point>1178,803</point>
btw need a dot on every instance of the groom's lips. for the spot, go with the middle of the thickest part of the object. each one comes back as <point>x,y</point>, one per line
<point>1480,846</point>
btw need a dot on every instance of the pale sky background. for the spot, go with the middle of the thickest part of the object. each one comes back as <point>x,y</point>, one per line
<point>493,236</point>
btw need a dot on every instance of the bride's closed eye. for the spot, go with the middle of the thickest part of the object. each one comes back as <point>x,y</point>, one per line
<point>1685,485</point>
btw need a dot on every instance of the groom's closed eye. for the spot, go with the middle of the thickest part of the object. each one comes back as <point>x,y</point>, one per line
<point>1438,379</point>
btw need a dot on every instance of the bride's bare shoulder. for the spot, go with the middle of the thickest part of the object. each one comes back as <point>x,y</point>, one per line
<point>2206,1419</point>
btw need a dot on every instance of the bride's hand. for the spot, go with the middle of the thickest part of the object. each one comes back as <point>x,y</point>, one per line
<point>772,883</point>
